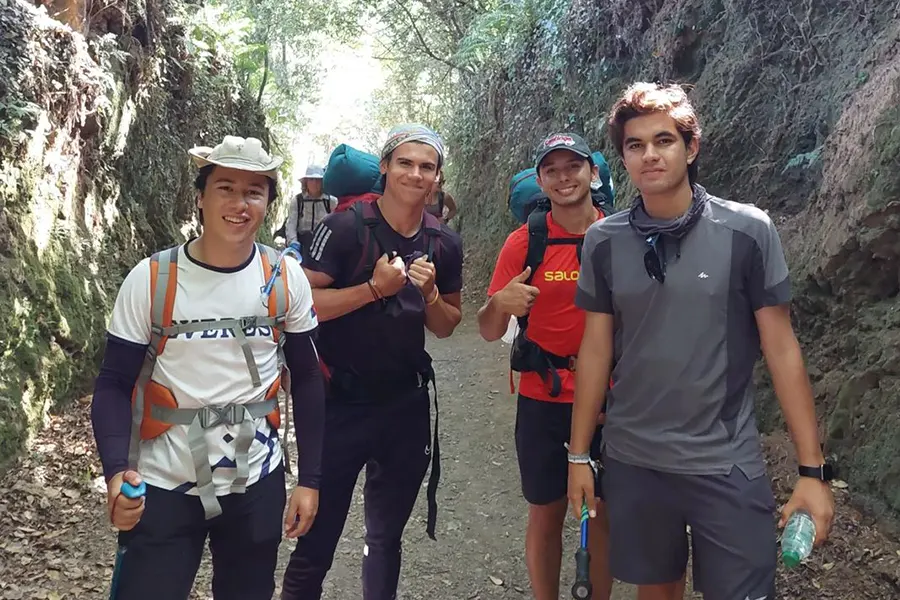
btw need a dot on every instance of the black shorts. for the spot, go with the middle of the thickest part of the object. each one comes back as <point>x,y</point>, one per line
<point>542,429</point>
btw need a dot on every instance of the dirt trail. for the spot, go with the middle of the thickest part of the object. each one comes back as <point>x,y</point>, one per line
<point>55,542</point>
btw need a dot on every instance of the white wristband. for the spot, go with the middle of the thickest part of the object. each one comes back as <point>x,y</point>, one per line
<point>579,459</point>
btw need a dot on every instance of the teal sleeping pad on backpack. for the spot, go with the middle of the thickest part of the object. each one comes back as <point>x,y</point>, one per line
<point>525,193</point>
<point>606,184</point>
<point>351,172</point>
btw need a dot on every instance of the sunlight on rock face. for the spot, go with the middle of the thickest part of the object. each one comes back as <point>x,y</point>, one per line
<point>124,126</point>
<point>64,328</point>
<point>38,138</point>
<point>22,307</point>
<point>188,228</point>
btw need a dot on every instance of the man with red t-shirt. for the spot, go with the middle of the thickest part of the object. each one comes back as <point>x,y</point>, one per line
<point>544,353</point>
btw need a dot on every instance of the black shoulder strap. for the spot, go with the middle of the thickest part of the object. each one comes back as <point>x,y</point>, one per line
<point>327,201</point>
<point>537,241</point>
<point>577,242</point>
<point>432,233</point>
<point>367,225</point>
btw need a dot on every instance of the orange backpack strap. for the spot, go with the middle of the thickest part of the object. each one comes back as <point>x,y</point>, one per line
<point>163,283</point>
<point>279,297</point>
<point>278,303</point>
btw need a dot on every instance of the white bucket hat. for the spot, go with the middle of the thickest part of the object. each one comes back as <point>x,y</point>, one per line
<point>314,172</point>
<point>238,153</point>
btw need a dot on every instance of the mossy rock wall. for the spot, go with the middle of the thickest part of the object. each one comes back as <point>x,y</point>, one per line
<point>94,176</point>
<point>798,102</point>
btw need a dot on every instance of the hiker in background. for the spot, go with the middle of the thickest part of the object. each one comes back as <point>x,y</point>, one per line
<point>205,437</point>
<point>382,272</point>
<point>682,292</point>
<point>537,285</point>
<point>441,204</point>
<point>308,208</point>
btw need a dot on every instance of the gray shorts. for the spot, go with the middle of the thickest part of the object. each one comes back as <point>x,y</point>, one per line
<point>732,520</point>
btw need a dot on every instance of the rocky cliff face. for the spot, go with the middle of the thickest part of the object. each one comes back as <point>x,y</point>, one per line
<point>798,101</point>
<point>93,176</point>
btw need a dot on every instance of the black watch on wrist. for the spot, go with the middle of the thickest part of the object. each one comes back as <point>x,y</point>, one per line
<point>824,472</point>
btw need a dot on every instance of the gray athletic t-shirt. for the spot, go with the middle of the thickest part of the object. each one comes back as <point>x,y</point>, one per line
<point>683,397</point>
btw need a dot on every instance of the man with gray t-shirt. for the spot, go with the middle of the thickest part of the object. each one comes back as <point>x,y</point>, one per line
<point>683,293</point>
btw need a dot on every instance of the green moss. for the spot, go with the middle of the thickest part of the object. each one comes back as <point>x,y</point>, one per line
<point>55,302</point>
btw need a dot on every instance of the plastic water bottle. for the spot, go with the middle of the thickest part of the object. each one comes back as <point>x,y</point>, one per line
<point>798,538</point>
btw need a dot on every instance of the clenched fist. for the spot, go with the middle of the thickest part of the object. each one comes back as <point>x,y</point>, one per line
<point>422,274</point>
<point>389,275</point>
<point>124,512</point>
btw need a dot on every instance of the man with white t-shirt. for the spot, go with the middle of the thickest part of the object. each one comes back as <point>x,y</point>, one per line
<point>196,345</point>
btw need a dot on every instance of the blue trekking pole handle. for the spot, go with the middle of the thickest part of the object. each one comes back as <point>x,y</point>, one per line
<point>582,588</point>
<point>132,492</point>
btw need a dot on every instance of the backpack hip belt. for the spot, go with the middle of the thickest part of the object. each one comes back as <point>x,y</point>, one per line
<point>198,421</point>
<point>528,357</point>
<point>154,407</point>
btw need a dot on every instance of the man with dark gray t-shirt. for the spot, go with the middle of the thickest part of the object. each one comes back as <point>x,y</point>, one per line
<point>683,293</point>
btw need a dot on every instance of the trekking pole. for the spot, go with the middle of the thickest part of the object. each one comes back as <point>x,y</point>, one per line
<point>129,491</point>
<point>582,588</point>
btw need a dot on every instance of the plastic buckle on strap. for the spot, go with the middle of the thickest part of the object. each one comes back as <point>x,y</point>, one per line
<point>248,323</point>
<point>573,362</point>
<point>210,416</point>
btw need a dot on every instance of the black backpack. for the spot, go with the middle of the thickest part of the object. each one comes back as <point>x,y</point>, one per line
<point>367,226</point>
<point>325,201</point>
<point>526,355</point>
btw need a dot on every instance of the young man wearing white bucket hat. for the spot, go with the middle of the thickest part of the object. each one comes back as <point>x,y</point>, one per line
<point>308,208</point>
<point>186,399</point>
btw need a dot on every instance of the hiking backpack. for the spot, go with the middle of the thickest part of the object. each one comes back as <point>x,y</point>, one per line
<point>302,203</point>
<point>525,194</point>
<point>155,409</point>
<point>351,172</point>
<point>526,355</point>
<point>367,231</point>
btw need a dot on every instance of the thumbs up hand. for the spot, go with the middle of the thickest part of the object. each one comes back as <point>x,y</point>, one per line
<point>517,297</point>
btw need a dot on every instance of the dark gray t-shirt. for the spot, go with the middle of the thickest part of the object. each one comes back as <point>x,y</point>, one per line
<point>682,399</point>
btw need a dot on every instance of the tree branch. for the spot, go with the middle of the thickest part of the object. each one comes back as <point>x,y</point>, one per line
<point>424,44</point>
<point>262,86</point>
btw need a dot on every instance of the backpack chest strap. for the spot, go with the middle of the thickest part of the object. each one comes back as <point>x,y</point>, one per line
<point>198,421</point>
<point>238,328</point>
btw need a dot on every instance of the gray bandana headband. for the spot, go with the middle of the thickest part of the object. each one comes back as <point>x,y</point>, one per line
<point>411,132</point>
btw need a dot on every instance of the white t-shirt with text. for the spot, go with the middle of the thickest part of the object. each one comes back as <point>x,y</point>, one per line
<point>208,367</point>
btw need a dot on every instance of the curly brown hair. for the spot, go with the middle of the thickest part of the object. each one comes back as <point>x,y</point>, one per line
<point>644,98</point>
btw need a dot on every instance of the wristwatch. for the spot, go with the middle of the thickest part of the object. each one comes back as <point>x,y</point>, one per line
<point>824,472</point>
